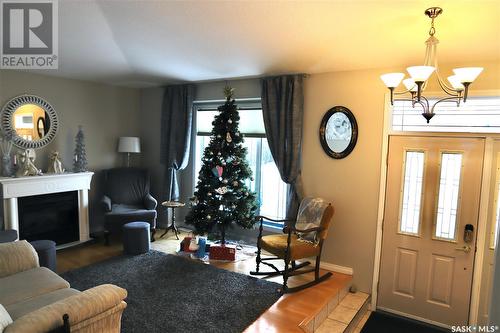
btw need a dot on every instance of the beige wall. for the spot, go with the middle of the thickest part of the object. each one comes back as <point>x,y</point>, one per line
<point>105,112</point>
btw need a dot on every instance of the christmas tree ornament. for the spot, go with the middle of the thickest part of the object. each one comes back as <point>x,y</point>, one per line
<point>220,170</point>
<point>80,158</point>
<point>228,92</point>
<point>221,190</point>
<point>219,205</point>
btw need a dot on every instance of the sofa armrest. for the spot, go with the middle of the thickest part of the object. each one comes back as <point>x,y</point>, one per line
<point>17,257</point>
<point>82,307</point>
<point>150,202</point>
<point>106,203</point>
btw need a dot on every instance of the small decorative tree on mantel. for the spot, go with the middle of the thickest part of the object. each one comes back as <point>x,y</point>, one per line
<point>80,157</point>
<point>222,197</point>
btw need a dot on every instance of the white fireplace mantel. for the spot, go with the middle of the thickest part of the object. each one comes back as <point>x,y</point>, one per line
<point>13,188</point>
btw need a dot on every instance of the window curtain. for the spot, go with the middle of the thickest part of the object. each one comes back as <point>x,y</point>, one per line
<point>283,109</point>
<point>176,123</point>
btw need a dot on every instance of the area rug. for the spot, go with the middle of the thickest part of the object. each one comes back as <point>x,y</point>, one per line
<point>167,293</point>
<point>388,323</point>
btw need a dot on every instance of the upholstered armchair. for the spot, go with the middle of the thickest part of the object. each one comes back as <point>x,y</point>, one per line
<point>127,199</point>
<point>302,238</point>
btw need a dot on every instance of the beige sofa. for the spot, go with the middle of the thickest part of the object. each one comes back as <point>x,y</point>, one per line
<point>35,298</point>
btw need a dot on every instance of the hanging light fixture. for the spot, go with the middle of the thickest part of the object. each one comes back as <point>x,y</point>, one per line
<point>456,88</point>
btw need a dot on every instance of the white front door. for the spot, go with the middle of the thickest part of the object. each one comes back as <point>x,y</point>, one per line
<point>429,229</point>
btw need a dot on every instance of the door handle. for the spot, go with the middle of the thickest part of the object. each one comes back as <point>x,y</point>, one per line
<point>465,248</point>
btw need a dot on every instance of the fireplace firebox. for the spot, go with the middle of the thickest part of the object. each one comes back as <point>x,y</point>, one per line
<point>49,216</point>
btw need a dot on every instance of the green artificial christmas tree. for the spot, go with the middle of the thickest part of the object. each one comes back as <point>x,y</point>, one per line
<point>222,197</point>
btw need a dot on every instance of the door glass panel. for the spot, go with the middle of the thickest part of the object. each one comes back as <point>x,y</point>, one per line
<point>412,192</point>
<point>449,190</point>
<point>493,238</point>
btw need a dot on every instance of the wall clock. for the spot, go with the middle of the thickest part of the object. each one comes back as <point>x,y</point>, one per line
<point>338,132</point>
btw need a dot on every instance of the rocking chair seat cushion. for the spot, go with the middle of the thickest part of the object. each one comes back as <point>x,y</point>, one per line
<point>277,244</point>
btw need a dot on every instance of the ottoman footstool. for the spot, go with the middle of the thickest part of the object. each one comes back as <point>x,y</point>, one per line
<point>136,239</point>
<point>46,250</point>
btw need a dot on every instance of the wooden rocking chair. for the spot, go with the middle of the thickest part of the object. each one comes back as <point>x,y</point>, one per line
<point>289,247</point>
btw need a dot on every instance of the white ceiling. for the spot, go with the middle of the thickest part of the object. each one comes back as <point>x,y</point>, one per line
<point>147,43</point>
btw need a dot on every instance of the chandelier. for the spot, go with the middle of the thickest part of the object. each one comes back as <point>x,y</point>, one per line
<point>456,88</point>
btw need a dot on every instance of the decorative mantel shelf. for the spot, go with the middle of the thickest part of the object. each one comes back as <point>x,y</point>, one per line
<point>14,188</point>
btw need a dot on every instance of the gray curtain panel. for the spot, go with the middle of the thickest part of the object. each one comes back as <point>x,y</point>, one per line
<point>283,110</point>
<point>176,122</point>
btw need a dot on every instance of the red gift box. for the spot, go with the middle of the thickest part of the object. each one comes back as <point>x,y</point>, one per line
<point>222,252</point>
<point>185,244</point>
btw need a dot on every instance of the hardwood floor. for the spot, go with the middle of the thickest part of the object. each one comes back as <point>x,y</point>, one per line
<point>283,316</point>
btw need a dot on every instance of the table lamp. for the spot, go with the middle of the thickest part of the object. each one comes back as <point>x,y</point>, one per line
<point>129,144</point>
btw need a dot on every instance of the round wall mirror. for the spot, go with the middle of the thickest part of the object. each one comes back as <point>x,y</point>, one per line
<point>338,132</point>
<point>30,121</point>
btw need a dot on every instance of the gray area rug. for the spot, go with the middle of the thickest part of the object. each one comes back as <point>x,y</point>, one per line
<point>167,293</point>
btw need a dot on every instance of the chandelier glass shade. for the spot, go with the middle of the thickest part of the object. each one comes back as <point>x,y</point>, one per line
<point>456,87</point>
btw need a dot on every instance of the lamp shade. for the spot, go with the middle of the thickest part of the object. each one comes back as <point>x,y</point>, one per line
<point>420,73</point>
<point>392,80</point>
<point>467,74</point>
<point>129,144</point>
<point>410,85</point>
<point>455,83</point>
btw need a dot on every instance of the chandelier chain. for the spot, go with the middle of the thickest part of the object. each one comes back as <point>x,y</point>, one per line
<point>432,31</point>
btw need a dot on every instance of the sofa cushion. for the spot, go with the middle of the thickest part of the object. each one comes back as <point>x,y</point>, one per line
<point>5,319</point>
<point>16,257</point>
<point>31,283</point>
<point>19,309</point>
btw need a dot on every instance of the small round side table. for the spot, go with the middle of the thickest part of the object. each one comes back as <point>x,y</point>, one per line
<point>172,205</point>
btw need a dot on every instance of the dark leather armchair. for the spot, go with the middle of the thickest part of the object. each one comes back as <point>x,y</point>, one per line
<point>127,199</point>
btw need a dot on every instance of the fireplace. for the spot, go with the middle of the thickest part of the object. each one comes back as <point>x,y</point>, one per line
<point>49,216</point>
<point>48,207</point>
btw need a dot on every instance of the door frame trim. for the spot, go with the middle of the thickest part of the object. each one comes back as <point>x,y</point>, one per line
<point>483,203</point>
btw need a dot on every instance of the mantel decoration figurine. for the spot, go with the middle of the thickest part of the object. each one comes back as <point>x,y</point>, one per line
<point>55,165</point>
<point>6,148</point>
<point>27,166</point>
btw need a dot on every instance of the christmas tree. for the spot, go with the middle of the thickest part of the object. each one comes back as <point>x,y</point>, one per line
<point>222,197</point>
<point>80,158</point>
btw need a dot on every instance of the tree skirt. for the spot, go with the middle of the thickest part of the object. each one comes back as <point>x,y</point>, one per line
<point>167,293</point>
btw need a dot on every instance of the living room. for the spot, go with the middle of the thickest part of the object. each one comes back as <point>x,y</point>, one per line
<point>134,87</point>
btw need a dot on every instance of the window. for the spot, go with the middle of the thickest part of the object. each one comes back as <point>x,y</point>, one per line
<point>271,190</point>
<point>477,115</point>
<point>449,193</point>
<point>412,192</point>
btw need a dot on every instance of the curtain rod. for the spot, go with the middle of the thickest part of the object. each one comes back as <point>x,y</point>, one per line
<point>209,101</point>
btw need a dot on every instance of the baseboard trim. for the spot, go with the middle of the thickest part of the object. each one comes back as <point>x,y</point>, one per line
<point>336,268</point>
